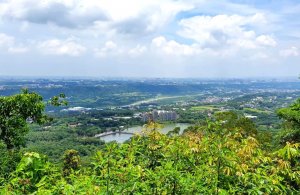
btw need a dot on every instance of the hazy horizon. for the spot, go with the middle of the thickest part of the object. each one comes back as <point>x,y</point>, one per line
<point>150,39</point>
<point>18,77</point>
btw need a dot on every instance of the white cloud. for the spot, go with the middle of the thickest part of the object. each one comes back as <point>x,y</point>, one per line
<point>166,49</point>
<point>266,40</point>
<point>131,16</point>
<point>61,47</point>
<point>154,34</point>
<point>292,51</point>
<point>138,50</point>
<point>6,40</point>
<point>17,49</point>
<point>221,30</point>
<point>160,44</point>
<point>67,13</point>
<point>109,48</point>
<point>110,45</point>
<point>8,44</point>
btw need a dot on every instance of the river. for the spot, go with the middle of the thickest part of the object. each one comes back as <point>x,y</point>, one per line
<point>120,138</point>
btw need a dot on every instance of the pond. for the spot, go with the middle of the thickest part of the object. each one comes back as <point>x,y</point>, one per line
<point>120,138</point>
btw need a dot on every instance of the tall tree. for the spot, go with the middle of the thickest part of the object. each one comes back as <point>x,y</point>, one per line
<point>17,111</point>
<point>291,115</point>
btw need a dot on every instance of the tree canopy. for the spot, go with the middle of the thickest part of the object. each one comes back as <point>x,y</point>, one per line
<point>17,111</point>
<point>221,156</point>
<point>291,116</point>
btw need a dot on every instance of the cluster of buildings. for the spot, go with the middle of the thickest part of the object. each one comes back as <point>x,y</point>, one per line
<point>159,115</point>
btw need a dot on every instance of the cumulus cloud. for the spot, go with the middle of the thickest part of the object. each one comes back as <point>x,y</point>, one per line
<point>221,30</point>
<point>8,44</point>
<point>163,47</point>
<point>6,40</point>
<point>129,17</point>
<point>66,13</point>
<point>150,33</point>
<point>138,50</point>
<point>149,15</point>
<point>172,47</point>
<point>109,48</point>
<point>160,45</point>
<point>61,47</point>
<point>290,52</point>
<point>17,49</point>
<point>266,40</point>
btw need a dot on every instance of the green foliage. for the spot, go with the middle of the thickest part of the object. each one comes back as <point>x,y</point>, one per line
<point>225,155</point>
<point>71,162</point>
<point>54,141</point>
<point>58,100</point>
<point>175,131</point>
<point>8,162</point>
<point>17,111</point>
<point>232,120</point>
<point>31,174</point>
<point>212,159</point>
<point>291,115</point>
<point>14,112</point>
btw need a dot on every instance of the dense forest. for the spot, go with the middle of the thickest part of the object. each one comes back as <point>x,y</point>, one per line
<point>224,155</point>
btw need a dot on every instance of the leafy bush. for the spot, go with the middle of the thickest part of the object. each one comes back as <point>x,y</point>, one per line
<point>208,160</point>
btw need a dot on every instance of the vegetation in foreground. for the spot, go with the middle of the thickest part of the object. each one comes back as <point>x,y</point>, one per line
<point>223,156</point>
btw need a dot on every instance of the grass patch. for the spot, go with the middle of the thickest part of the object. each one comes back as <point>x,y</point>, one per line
<point>203,108</point>
<point>257,111</point>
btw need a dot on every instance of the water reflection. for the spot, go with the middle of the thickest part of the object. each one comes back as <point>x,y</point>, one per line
<point>120,138</point>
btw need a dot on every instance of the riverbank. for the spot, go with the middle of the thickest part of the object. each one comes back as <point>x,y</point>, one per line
<point>128,133</point>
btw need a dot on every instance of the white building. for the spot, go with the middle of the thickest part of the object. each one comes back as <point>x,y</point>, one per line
<point>159,115</point>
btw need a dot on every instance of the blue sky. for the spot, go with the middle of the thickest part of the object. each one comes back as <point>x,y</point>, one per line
<point>150,38</point>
